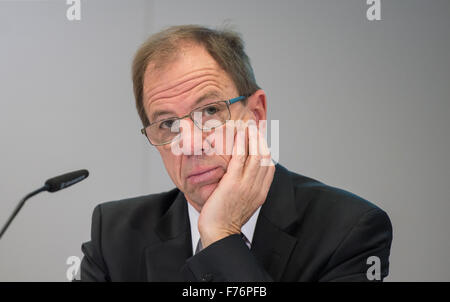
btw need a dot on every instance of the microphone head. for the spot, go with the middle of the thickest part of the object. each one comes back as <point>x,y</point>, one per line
<point>66,180</point>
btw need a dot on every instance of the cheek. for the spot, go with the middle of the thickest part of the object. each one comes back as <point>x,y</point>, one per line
<point>172,164</point>
<point>226,159</point>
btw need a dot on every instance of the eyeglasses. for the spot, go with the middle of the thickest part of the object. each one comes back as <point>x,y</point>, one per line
<point>206,118</point>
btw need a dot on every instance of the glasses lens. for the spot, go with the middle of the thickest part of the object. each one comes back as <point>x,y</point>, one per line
<point>211,116</point>
<point>163,132</point>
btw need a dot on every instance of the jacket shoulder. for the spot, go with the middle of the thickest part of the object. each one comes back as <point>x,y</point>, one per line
<point>337,231</point>
<point>130,212</point>
<point>335,207</point>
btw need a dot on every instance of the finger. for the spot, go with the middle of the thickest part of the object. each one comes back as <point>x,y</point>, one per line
<point>238,156</point>
<point>270,173</point>
<point>253,138</point>
<point>266,158</point>
<point>266,184</point>
<point>252,162</point>
<point>263,162</point>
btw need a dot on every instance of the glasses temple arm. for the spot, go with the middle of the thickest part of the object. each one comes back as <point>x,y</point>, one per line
<point>239,98</point>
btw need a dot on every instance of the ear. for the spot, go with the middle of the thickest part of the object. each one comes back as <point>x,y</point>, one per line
<point>257,106</point>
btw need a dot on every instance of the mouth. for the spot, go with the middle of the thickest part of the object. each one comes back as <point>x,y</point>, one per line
<point>204,175</point>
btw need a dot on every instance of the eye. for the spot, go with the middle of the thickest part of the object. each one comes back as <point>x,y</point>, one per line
<point>167,124</point>
<point>211,110</point>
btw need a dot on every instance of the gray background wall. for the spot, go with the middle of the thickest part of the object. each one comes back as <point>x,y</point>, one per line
<point>362,106</point>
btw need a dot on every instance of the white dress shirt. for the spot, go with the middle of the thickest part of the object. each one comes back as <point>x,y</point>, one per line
<point>248,229</point>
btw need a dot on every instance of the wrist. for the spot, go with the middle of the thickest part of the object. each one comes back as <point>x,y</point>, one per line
<point>213,235</point>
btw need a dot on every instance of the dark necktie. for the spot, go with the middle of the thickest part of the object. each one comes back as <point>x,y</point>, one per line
<point>199,246</point>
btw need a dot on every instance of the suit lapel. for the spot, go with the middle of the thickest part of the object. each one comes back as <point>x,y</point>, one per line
<point>165,258</point>
<point>277,214</point>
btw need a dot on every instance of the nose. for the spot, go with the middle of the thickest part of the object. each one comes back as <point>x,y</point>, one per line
<point>193,140</point>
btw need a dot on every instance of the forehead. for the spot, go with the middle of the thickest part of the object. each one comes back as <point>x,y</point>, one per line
<point>190,67</point>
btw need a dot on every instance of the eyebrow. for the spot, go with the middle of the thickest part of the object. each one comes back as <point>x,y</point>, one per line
<point>207,95</point>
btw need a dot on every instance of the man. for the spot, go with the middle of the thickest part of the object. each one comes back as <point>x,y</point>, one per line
<point>231,217</point>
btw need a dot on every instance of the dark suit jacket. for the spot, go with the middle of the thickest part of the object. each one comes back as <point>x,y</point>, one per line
<point>306,231</point>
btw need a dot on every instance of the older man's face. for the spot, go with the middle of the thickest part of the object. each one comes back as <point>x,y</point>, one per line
<point>175,89</point>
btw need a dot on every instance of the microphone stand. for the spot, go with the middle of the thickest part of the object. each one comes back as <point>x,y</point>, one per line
<point>19,206</point>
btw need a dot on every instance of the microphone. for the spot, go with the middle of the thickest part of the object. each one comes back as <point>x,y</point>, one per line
<point>51,185</point>
<point>66,180</point>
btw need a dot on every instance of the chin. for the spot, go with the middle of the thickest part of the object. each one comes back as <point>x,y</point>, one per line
<point>202,194</point>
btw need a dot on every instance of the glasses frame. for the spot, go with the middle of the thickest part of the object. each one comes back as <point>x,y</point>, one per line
<point>227,102</point>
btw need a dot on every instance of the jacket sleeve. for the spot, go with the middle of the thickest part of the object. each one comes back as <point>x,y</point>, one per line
<point>93,267</point>
<point>353,259</point>
<point>228,259</point>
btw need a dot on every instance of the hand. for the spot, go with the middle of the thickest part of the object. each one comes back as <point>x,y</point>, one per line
<point>240,192</point>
